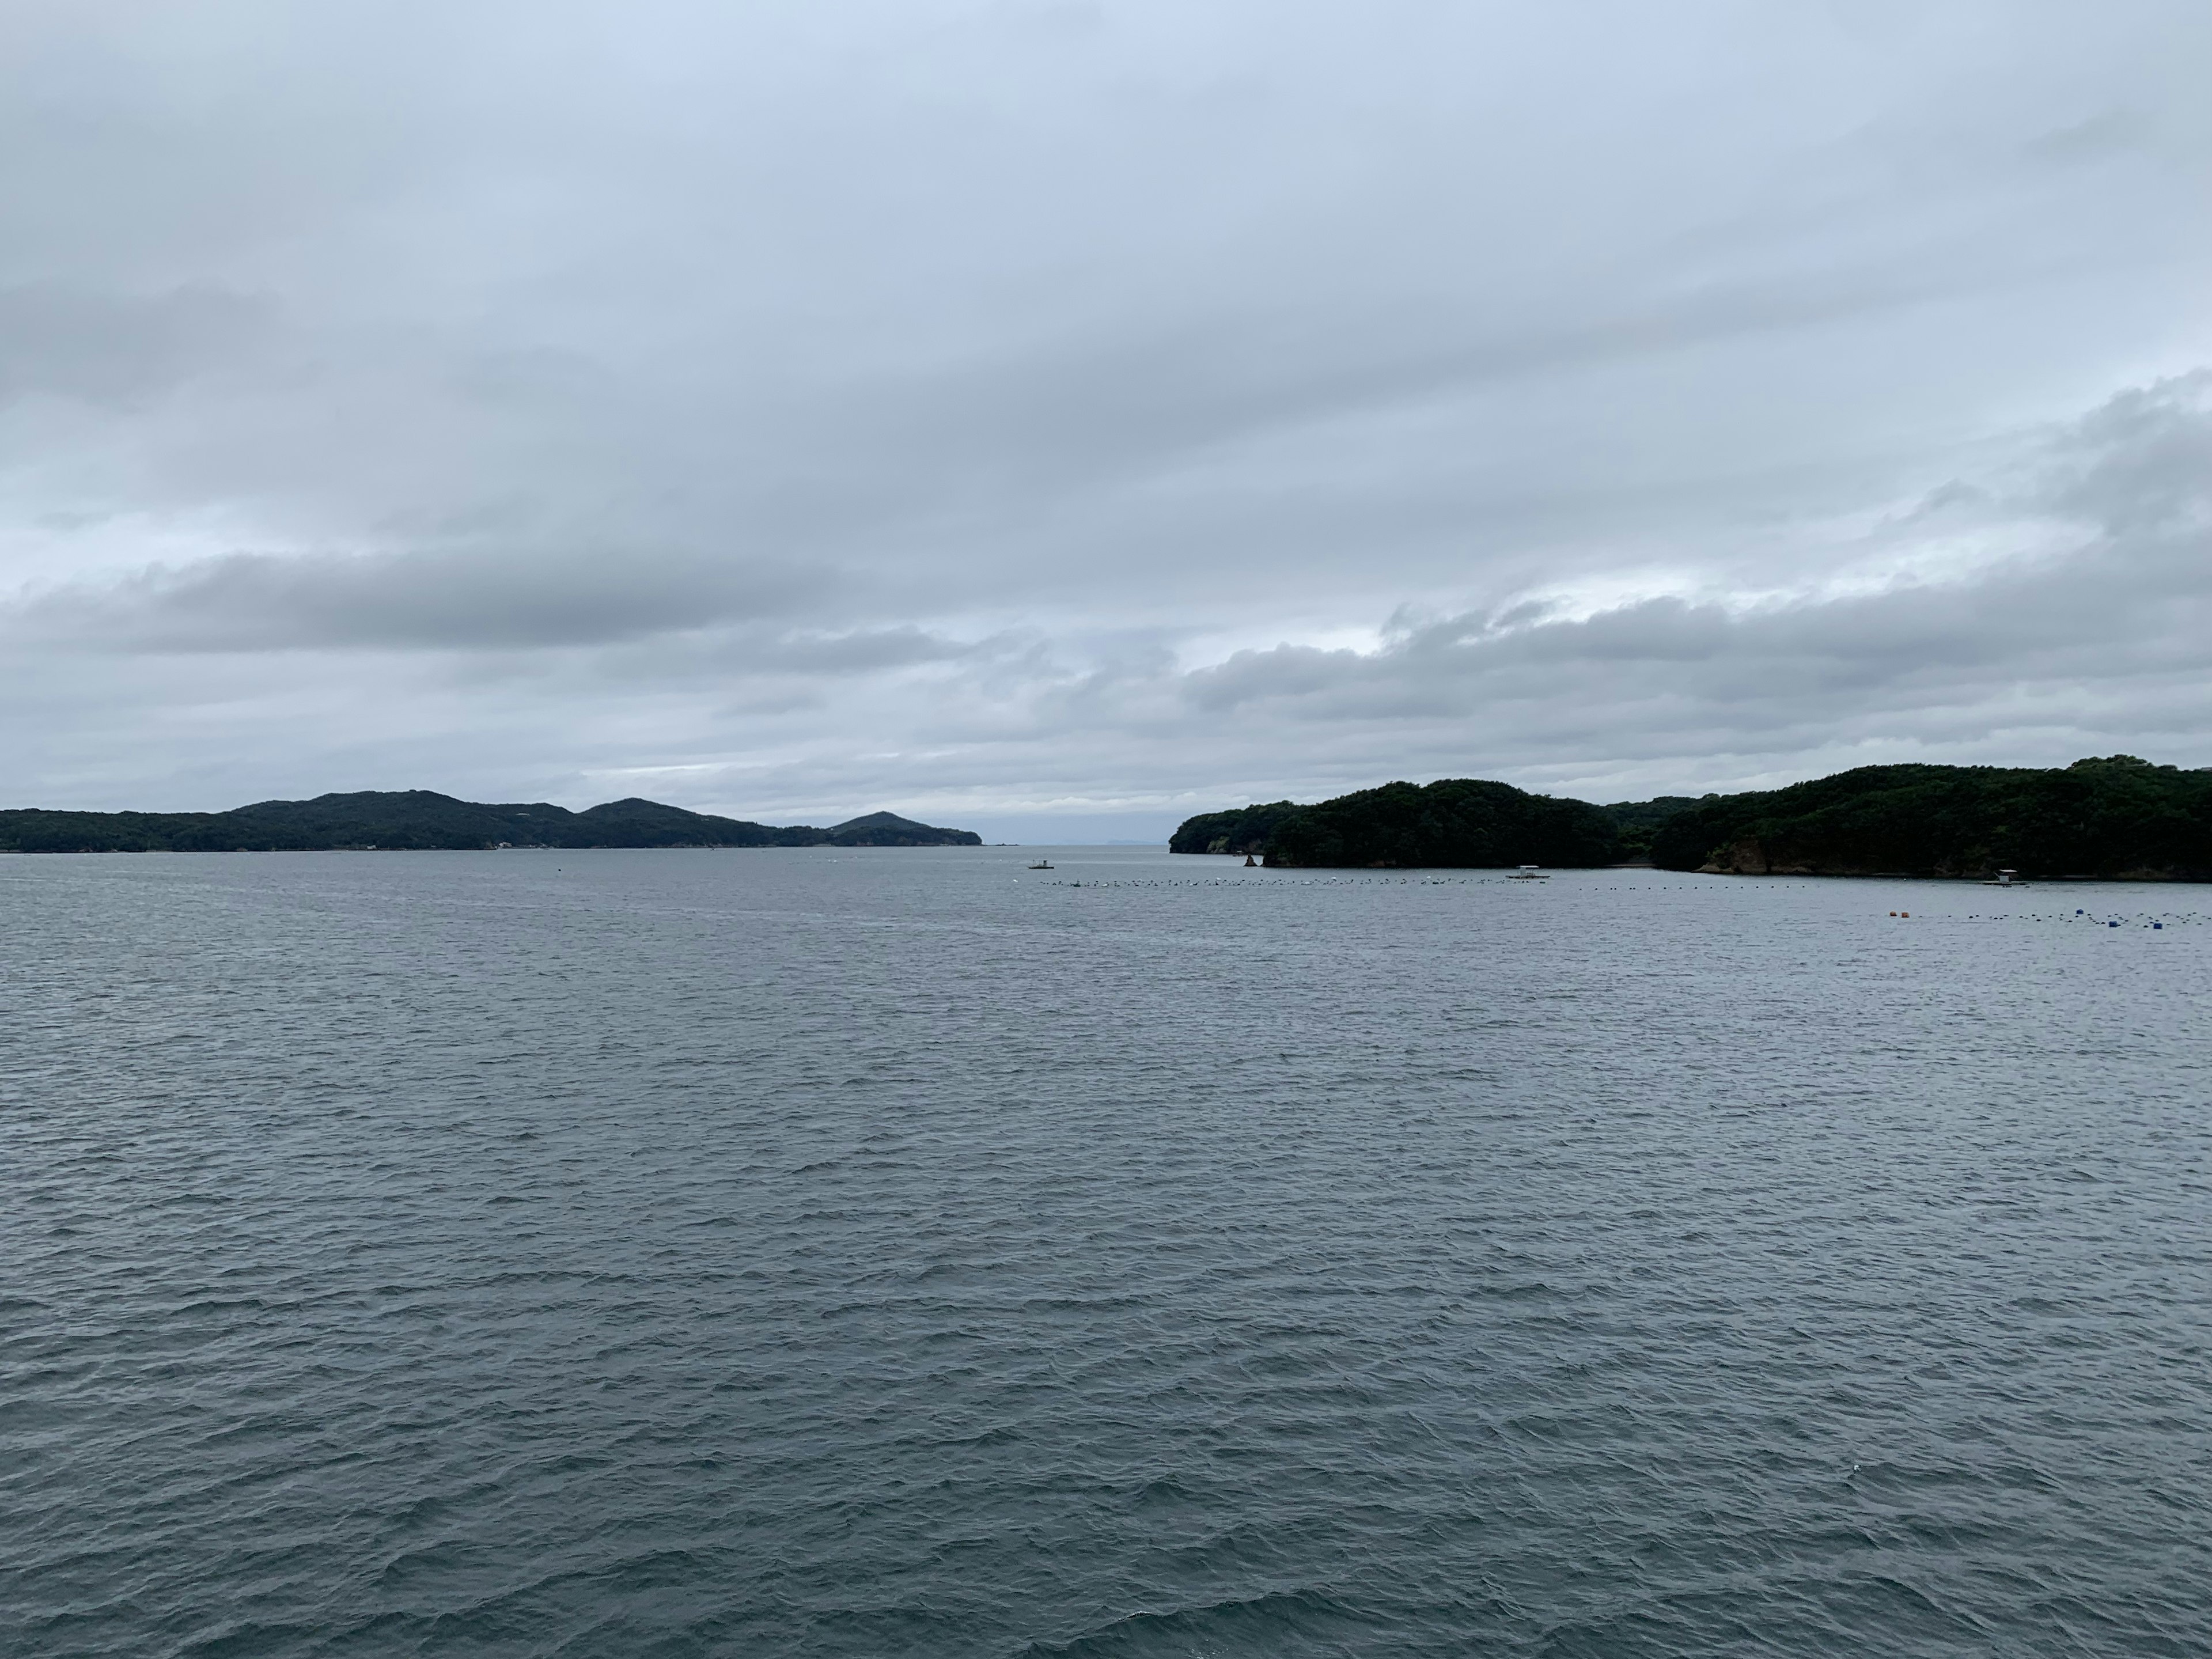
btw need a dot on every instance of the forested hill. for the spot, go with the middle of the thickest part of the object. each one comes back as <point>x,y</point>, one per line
<point>2118,818</point>
<point>1466,822</point>
<point>418,819</point>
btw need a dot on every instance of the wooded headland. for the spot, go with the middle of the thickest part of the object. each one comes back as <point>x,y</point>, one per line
<point>2116,818</point>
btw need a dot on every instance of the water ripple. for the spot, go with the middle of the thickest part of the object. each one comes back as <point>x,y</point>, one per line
<point>824,1253</point>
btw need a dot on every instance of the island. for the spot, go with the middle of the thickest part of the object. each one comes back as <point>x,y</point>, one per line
<point>1466,822</point>
<point>2119,817</point>
<point>423,820</point>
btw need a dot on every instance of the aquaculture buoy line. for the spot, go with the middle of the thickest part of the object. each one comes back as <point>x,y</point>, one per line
<point>2153,922</point>
<point>2157,922</point>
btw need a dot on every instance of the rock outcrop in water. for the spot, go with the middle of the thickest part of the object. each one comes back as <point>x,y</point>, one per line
<point>420,819</point>
<point>2117,819</point>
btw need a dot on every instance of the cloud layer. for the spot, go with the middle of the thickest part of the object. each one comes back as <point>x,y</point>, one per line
<point>1043,414</point>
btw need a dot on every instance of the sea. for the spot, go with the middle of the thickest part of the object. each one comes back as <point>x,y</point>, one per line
<point>906,1252</point>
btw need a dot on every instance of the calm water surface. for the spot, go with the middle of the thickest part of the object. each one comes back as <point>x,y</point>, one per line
<point>900,1253</point>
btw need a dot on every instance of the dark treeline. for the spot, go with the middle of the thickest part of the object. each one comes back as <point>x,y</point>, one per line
<point>1456,821</point>
<point>420,820</point>
<point>2115,817</point>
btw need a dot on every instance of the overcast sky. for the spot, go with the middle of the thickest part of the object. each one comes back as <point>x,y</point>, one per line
<point>1055,418</point>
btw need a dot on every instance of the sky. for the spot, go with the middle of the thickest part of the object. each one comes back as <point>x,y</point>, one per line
<point>1056,418</point>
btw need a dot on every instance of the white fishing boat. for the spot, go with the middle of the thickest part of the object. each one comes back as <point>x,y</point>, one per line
<point>1529,873</point>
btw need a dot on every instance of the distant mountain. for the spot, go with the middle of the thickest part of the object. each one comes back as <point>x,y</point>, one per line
<point>2116,818</point>
<point>419,819</point>
<point>889,829</point>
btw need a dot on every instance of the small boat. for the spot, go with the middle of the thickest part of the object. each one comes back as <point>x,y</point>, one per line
<point>1528,873</point>
<point>2006,879</point>
<point>1041,863</point>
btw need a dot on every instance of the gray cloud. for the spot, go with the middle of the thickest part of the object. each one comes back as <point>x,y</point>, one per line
<point>260,602</point>
<point>2131,484</point>
<point>111,349</point>
<point>2088,141</point>
<point>1033,410</point>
